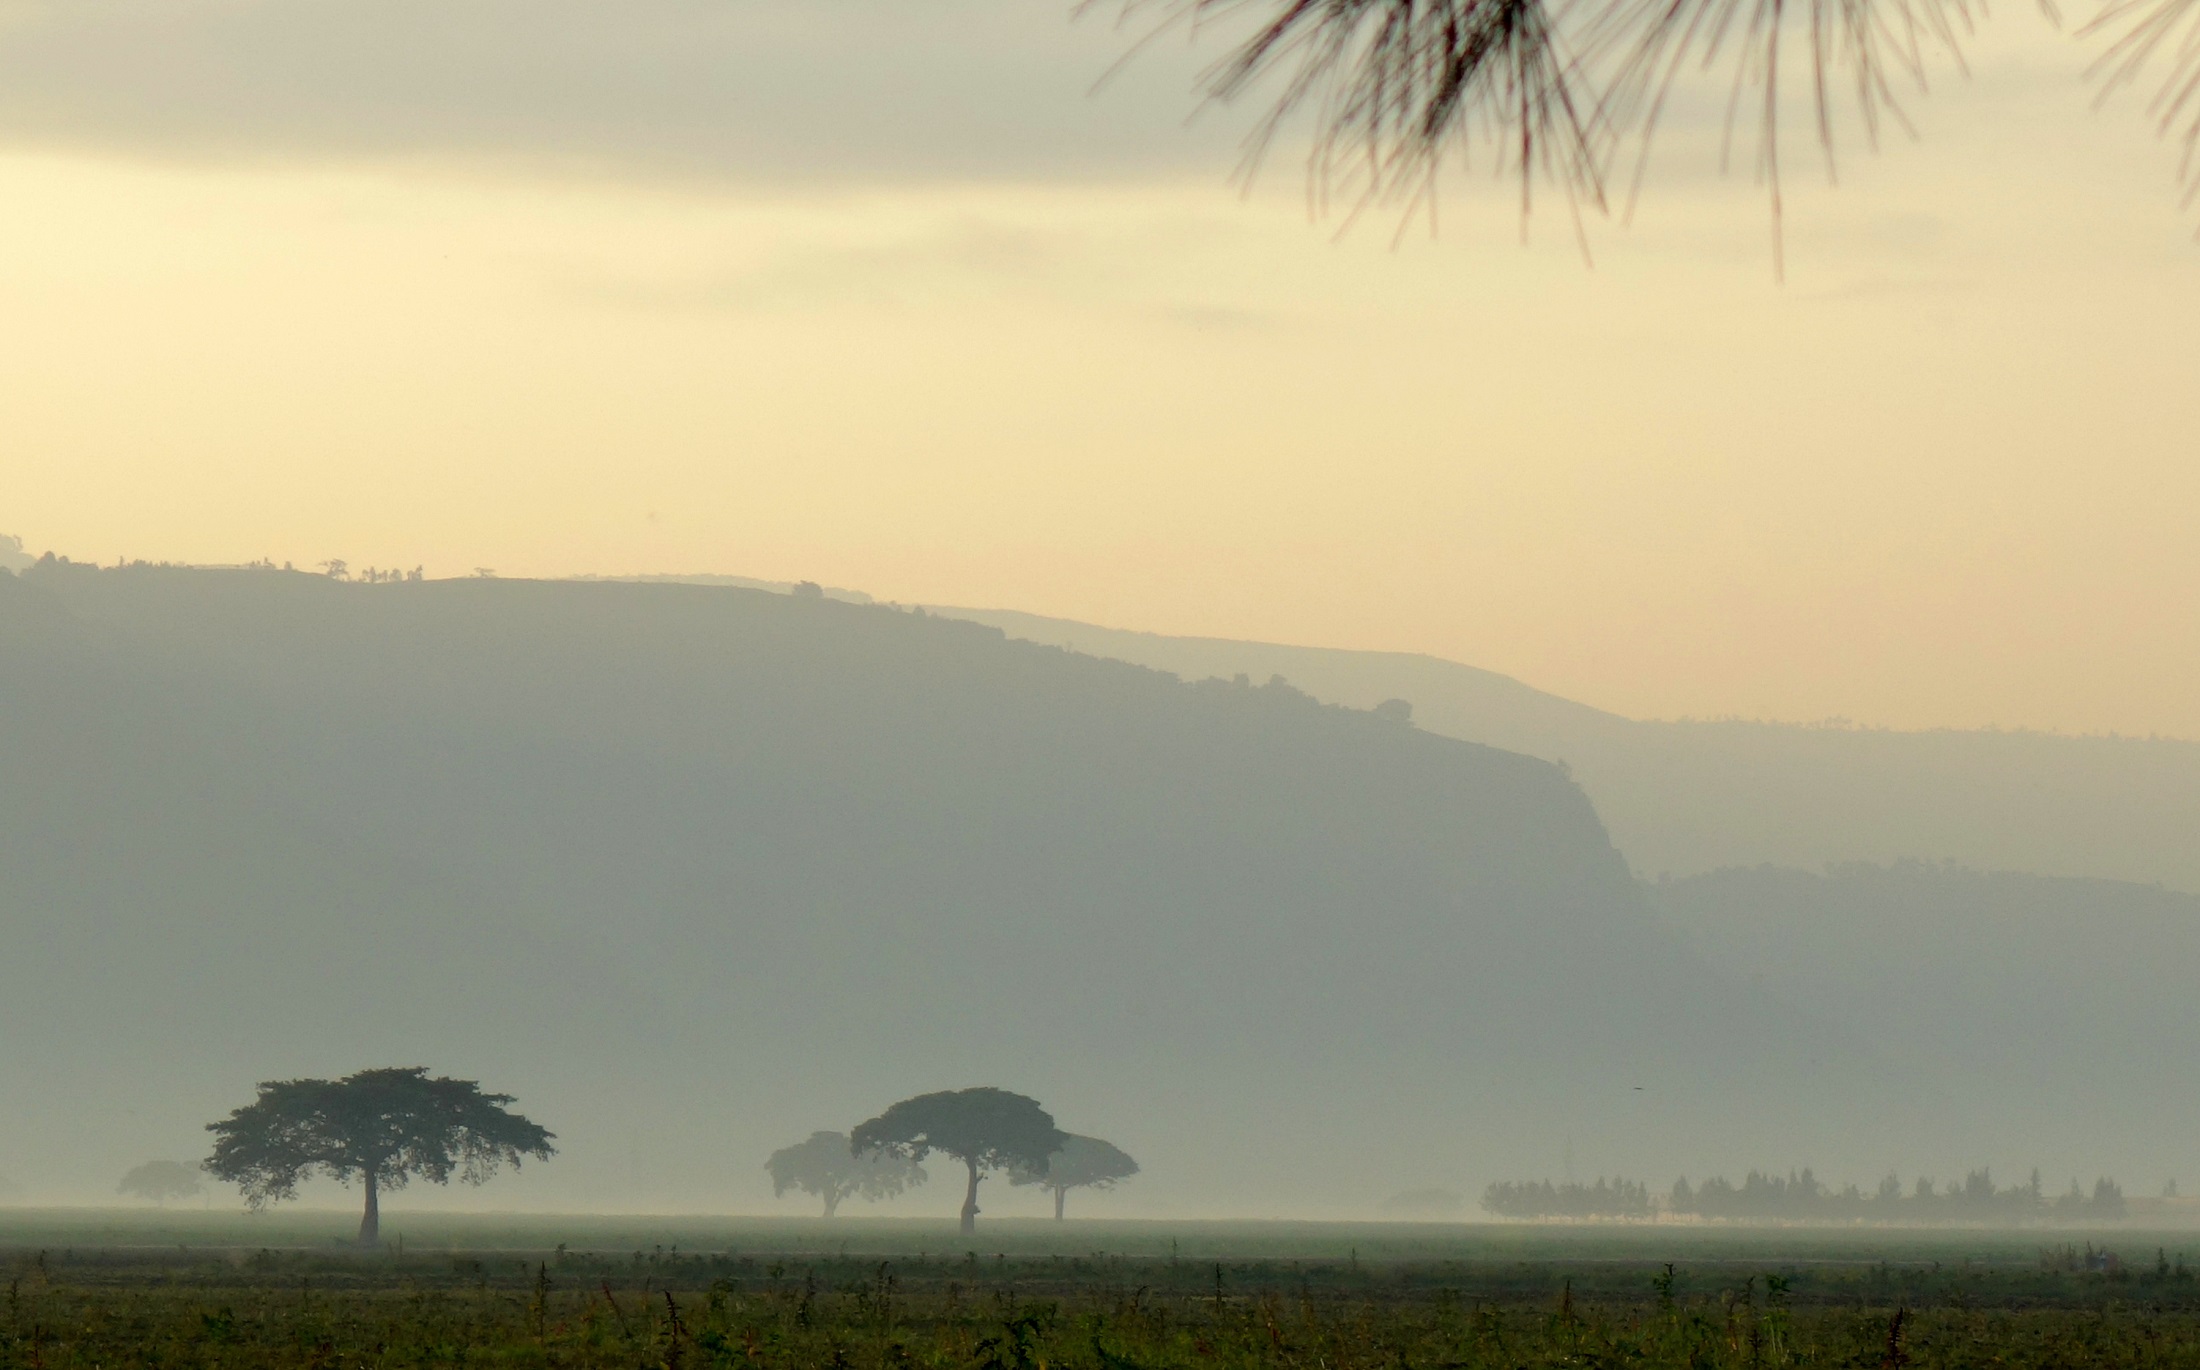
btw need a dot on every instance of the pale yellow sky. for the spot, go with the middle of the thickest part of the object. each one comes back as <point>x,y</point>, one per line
<point>1944,475</point>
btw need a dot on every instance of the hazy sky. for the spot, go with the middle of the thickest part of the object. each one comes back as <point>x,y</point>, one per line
<point>881,294</point>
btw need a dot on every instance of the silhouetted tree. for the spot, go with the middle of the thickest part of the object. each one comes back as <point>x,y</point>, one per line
<point>826,1166</point>
<point>382,1126</point>
<point>2108,1199</point>
<point>1080,1163</point>
<point>160,1181</point>
<point>986,1129</point>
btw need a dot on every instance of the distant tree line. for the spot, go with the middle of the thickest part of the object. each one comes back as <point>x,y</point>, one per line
<point>1799,1196</point>
<point>1975,1198</point>
<point>373,575</point>
<point>1542,1199</point>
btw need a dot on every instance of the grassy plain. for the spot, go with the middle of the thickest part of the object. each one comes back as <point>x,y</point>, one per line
<point>183,1288</point>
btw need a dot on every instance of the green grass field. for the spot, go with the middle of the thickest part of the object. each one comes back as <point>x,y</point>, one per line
<point>193,1288</point>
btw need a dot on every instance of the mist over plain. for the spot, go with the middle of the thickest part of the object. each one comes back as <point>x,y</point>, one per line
<point>696,870</point>
<point>950,302</point>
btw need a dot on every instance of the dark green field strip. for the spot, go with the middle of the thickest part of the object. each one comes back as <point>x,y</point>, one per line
<point>1101,1313</point>
<point>1349,1242</point>
<point>2045,1277</point>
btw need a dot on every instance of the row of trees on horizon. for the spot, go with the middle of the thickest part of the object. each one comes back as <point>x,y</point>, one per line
<point>385,1128</point>
<point>827,1167</point>
<point>1799,1196</point>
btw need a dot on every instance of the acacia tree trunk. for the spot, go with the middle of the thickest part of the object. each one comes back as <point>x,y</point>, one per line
<point>1061,1191</point>
<point>832,1201</point>
<point>970,1199</point>
<point>370,1225</point>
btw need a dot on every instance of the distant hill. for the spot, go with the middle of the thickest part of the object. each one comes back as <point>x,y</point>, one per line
<point>1689,797</point>
<point>697,870</point>
<point>2027,995</point>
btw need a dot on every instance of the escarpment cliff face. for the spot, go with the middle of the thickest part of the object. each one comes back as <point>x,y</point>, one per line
<point>695,870</point>
<point>1683,798</point>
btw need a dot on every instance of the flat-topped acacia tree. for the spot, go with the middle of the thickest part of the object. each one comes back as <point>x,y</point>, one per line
<point>1082,1163</point>
<point>986,1129</point>
<point>161,1181</point>
<point>827,1167</point>
<point>382,1127</point>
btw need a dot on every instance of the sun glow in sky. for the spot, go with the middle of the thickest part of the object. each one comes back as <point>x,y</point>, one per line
<point>888,297</point>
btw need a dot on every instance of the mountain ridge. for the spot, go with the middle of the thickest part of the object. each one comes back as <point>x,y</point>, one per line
<point>695,871</point>
<point>1685,797</point>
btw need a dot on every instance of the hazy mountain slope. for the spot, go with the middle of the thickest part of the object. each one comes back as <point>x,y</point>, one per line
<point>694,871</point>
<point>2024,993</point>
<point>1447,697</point>
<point>1690,797</point>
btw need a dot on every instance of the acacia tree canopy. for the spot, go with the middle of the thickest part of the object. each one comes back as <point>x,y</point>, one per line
<point>986,1129</point>
<point>827,1167</point>
<point>382,1127</point>
<point>160,1181</point>
<point>1081,1163</point>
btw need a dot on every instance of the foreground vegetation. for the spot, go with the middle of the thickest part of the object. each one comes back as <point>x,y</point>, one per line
<point>1733,1305</point>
